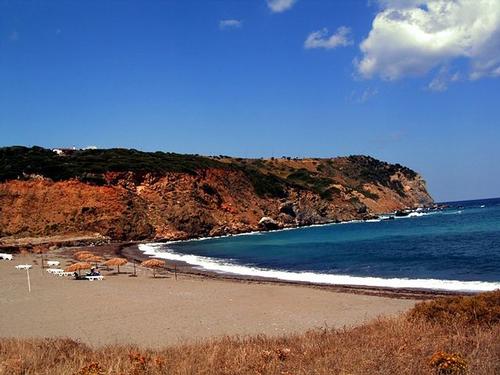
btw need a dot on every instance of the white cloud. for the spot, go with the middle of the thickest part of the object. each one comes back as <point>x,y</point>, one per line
<point>278,6</point>
<point>401,4</point>
<point>413,37</point>
<point>230,24</point>
<point>441,81</point>
<point>363,96</point>
<point>367,94</point>
<point>320,39</point>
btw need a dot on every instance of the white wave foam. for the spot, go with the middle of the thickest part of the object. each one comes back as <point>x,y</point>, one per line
<point>210,264</point>
<point>416,214</point>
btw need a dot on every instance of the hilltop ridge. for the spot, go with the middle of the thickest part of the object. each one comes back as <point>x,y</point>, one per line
<point>123,194</point>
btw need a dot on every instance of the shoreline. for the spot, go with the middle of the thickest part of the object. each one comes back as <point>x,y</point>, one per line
<point>412,213</point>
<point>132,253</point>
<point>86,239</point>
<point>205,265</point>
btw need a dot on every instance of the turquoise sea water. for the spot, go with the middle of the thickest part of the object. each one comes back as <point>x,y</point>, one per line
<point>454,249</point>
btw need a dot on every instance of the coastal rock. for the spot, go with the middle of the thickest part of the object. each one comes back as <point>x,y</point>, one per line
<point>401,213</point>
<point>268,223</point>
<point>288,208</point>
<point>286,219</point>
<point>362,209</point>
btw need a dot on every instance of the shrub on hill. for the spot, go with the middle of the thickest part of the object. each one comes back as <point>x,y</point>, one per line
<point>482,309</point>
<point>266,185</point>
<point>19,162</point>
<point>366,169</point>
<point>88,166</point>
<point>310,181</point>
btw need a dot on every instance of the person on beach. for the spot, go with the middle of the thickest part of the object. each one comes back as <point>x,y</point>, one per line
<point>94,272</point>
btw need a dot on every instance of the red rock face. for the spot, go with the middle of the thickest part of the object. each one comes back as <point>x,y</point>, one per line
<point>181,205</point>
<point>40,208</point>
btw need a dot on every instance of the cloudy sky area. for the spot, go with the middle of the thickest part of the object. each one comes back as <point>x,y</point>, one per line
<point>409,81</point>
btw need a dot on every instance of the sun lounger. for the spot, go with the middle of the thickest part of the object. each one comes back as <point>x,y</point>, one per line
<point>93,278</point>
<point>54,271</point>
<point>53,262</point>
<point>5,256</point>
<point>66,274</point>
<point>23,266</point>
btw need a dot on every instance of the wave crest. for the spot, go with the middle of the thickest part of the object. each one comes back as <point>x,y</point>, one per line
<point>220,266</point>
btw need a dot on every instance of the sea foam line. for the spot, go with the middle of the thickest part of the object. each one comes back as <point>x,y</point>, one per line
<point>215,265</point>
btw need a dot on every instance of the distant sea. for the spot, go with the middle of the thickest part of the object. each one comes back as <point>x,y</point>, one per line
<point>455,249</point>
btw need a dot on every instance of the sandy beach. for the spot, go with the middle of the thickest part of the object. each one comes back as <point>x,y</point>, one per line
<point>165,311</point>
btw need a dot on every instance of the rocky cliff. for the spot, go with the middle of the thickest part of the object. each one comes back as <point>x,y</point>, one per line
<point>132,195</point>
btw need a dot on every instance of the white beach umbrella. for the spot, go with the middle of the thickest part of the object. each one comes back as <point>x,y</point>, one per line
<point>27,268</point>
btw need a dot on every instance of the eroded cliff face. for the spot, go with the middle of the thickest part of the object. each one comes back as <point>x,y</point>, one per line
<point>211,201</point>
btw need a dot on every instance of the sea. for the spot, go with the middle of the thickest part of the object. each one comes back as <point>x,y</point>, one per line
<point>453,249</point>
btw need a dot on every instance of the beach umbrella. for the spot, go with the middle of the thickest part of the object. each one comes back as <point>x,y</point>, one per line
<point>94,259</point>
<point>153,264</point>
<point>78,267</point>
<point>27,268</point>
<point>80,252</point>
<point>84,255</point>
<point>76,253</point>
<point>116,262</point>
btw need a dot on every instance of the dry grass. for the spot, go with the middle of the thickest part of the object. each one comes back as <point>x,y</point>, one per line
<point>408,344</point>
<point>483,309</point>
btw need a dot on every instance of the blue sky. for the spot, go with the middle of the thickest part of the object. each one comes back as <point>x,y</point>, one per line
<point>262,78</point>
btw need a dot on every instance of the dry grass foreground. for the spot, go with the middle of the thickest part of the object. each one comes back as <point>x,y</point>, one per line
<point>458,335</point>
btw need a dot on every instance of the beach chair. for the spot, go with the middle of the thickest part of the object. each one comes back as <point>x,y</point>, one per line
<point>54,271</point>
<point>23,266</point>
<point>93,278</point>
<point>53,262</point>
<point>5,256</point>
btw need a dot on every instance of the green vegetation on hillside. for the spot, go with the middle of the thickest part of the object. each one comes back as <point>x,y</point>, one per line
<point>366,169</point>
<point>20,162</point>
<point>268,178</point>
<point>312,181</point>
<point>266,184</point>
<point>89,165</point>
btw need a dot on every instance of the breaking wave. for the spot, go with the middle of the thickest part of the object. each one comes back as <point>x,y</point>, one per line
<point>223,266</point>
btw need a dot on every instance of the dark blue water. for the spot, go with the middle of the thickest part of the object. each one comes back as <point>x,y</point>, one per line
<point>461,243</point>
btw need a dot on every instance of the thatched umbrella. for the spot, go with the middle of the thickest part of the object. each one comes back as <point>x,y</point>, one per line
<point>83,255</point>
<point>94,259</point>
<point>78,267</point>
<point>80,252</point>
<point>116,262</point>
<point>153,264</point>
